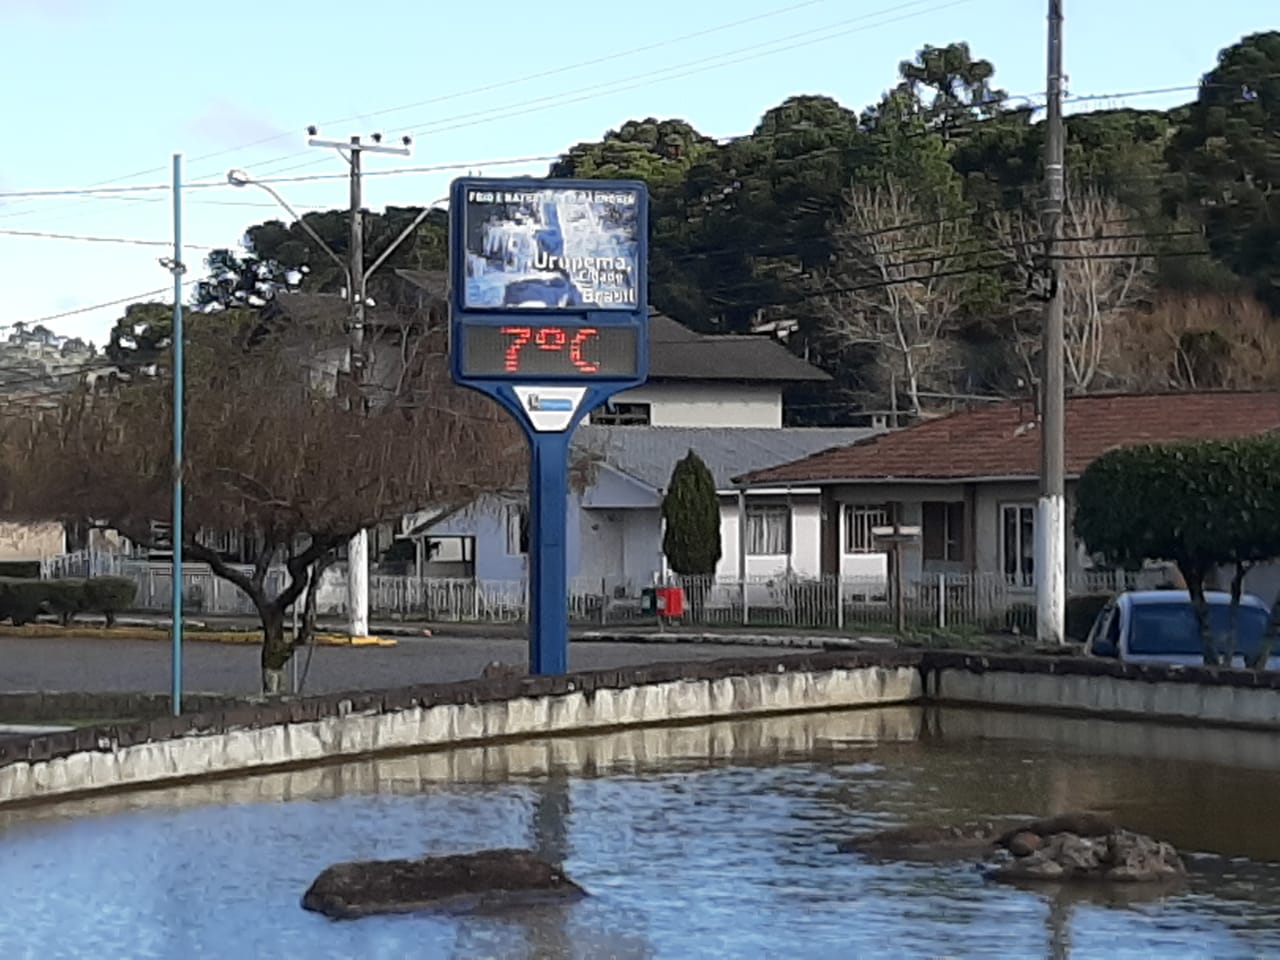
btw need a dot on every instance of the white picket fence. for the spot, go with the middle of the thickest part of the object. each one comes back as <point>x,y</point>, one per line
<point>975,601</point>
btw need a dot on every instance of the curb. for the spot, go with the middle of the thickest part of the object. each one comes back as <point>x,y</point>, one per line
<point>811,642</point>
<point>191,632</point>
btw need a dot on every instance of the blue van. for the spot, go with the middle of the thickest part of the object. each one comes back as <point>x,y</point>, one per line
<point>1159,626</point>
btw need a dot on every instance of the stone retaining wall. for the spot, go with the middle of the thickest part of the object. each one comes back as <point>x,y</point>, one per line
<point>311,730</point>
<point>235,737</point>
<point>1243,699</point>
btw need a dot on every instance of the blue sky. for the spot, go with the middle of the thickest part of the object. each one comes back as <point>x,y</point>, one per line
<point>108,90</point>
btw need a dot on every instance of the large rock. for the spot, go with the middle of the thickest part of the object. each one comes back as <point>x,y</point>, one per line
<point>1119,856</point>
<point>483,880</point>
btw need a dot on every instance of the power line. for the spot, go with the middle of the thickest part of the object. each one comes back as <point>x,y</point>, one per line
<point>564,98</point>
<point>208,184</point>
<point>486,88</point>
<point>569,68</point>
<point>700,65</point>
<point>101,306</point>
<point>113,192</point>
<point>93,239</point>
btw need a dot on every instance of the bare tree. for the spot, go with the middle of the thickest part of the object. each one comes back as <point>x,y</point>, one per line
<point>896,287</point>
<point>1107,271</point>
<point>1200,342</point>
<point>271,452</point>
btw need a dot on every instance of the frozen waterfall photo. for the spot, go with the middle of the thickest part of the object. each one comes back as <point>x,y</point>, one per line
<point>556,248</point>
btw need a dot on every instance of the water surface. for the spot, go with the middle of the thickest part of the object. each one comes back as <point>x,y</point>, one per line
<point>696,842</point>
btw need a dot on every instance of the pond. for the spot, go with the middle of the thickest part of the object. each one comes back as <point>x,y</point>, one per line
<point>695,842</point>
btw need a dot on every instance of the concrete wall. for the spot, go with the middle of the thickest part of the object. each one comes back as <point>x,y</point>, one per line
<point>634,751</point>
<point>319,729</point>
<point>31,541</point>
<point>708,404</point>
<point>806,540</point>
<point>1234,698</point>
<point>255,737</point>
<point>486,520</point>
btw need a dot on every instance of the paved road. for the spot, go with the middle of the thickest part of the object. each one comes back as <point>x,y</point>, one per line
<point>142,666</point>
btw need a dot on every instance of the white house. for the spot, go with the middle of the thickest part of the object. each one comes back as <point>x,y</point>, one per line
<point>720,396</point>
<point>969,480</point>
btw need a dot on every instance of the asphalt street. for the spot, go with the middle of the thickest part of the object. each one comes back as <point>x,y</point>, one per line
<point>142,666</point>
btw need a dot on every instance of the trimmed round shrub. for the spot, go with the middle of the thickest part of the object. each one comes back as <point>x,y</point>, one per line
<point>65,598</point>
<point>22,601</point>
<point>109,596</point>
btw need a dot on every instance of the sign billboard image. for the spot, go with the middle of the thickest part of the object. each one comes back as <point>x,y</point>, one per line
<point>553,247</point>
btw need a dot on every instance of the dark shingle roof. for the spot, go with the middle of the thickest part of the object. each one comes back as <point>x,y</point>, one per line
<point>1003,439</point>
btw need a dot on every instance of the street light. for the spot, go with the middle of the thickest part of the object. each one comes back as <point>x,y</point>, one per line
<point>238,178</point>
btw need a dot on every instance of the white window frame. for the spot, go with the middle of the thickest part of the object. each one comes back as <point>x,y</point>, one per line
<point>516,522</point>
<point>860,519</point>
<point>1018,576</point>
<point>765,524</point>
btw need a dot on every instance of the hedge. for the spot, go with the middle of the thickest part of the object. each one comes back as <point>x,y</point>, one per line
<point>22,601</point>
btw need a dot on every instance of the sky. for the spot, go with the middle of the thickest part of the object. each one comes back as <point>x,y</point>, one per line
<point>103,93</point>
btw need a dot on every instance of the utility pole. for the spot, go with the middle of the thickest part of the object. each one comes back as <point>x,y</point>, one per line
<point>1051,532</point>
<point>176,533</point>
<point>358,545</point>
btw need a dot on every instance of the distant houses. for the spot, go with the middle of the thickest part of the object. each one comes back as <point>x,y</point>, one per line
<point>969,480</point>
<point>720,396</point>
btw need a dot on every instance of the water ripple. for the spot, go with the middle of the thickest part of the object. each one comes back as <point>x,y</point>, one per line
<point>704,855</point>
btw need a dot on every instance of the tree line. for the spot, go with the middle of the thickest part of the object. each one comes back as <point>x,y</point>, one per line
<point>899,246</point>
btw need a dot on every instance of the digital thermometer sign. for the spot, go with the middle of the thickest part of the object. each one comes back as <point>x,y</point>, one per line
<point>548,316</point>
<point>557,350</point>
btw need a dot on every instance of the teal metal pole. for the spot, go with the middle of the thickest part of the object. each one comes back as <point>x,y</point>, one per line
<point>175,530</point>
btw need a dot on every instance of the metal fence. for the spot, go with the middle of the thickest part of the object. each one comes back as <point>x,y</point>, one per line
<point>947,601</point>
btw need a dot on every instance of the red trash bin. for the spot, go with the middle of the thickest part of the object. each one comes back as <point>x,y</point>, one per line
<point>671,601</point>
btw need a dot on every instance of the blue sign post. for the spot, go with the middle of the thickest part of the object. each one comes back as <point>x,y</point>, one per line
<point>549,309</point>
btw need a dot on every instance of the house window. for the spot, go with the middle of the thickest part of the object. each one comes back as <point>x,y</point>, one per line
<point>768,530</point>
<point>859,521</point>
<point>944,530</point>
<point>517,530</point>
<point>622,415</point>
<point>1018,543</point>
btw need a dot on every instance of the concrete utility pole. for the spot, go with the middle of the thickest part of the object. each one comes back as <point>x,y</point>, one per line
<point>1051,523</point>
<point>357,279</point>
<point>357,546</point>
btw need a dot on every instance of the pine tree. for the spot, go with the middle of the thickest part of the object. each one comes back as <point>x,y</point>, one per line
<point>691,511</point>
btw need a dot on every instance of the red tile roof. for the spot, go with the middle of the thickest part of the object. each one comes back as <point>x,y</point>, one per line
<point>1003,439</point>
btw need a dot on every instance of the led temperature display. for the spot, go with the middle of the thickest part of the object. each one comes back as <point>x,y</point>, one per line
<point>553,349</point>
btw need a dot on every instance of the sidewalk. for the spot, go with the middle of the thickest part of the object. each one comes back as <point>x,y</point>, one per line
<point>622,633</point>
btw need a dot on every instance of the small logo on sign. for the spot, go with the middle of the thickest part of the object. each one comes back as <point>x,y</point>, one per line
<point>560,404</point>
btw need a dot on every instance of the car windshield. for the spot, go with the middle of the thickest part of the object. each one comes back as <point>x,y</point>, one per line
<point>1170,629</point>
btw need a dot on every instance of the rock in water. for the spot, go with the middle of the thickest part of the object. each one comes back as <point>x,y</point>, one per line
<point>1120,856</point>
<point>1081,824</point>
<point>487,879</point>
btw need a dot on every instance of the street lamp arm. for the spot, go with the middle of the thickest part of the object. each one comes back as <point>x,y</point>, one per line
<point>239,179</point>
<point>391,248</point>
